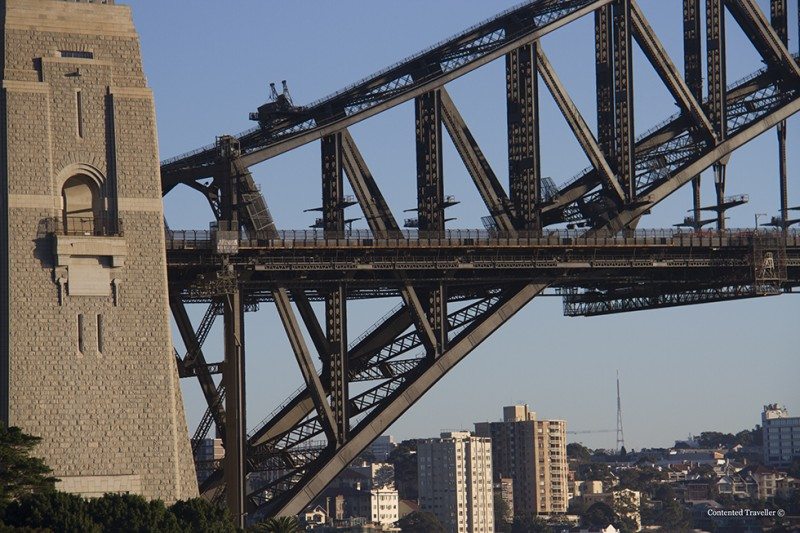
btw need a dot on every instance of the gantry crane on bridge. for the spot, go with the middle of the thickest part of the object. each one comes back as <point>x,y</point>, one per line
<point>458,286</point>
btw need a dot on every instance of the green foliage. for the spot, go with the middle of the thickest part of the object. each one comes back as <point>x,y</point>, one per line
<point>404,460</point>
<point>530,524</point>
<point>280,524</point>
<point>643,478</point>
<point>21,474</point>
<point>420,522</point>
<point>595,472</point>
<point>579,452</point>
<point>60,512</point>
<point>501,510</point>
<point>131,513</point>
<point>54,511</point>
<point>199,514</point>
<point>674,517</point>
<point>598,515</point>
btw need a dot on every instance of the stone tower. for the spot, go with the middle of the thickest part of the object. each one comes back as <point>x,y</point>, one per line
<point>86,358</point>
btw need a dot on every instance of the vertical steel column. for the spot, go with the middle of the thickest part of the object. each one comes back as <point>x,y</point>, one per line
<point>604,72</point>
<point>623,97</point>
<point>228,152</point>
<point>430,184</point>
<point>336,331</point>
<point>332,186</point>
<point>235,423</point>
<point>524,162</point>
<point>693,73</point>
<point>437,316</point>
<point>779,17</point>
<point>717,98</point>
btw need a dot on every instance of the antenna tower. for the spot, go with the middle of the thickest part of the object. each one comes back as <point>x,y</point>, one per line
<point>620,435</point>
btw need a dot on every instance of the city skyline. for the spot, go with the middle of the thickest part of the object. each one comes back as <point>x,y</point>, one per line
<point>720,362</point>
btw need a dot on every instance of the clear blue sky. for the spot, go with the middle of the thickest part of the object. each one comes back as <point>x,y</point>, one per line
<point>683,370</point>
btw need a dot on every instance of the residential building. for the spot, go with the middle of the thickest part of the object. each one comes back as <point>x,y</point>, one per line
<point>455,481</point>
<point>534,454</point>
<point>209,453</point>
<point>384,505</point>
<point>363,491</point>
<point>781,436</point>
<point>382,447</point>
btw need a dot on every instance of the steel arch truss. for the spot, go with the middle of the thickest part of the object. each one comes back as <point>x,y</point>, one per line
<point>452,294</point>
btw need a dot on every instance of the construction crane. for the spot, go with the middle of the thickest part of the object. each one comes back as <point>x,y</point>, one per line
<point>584,432</point>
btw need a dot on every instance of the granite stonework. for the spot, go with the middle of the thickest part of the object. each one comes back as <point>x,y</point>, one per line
<point>86,360</point>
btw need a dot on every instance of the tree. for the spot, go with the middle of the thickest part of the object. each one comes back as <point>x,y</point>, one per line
<point>674,517</point>
<point>598,515</point>
<point>404,460</point>
<point>530,524</point>
<point>280,524</point>
<point>420,522</point>
<point>501,513</point>
<point>715,439</point>
<point>664,493</point>
<point>579,452</point>
<point>20,473</point>
<point>51,511</point>
<point>199,514</point>
<point>131,513</point>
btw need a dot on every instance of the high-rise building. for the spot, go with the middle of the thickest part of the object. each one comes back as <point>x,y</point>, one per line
<point>781,436</point>
<point>455,481</point>
<point>209,453</point>
<point>534,454</point>
<point>382,447</point>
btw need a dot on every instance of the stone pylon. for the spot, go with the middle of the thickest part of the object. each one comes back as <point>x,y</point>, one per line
<point>86,359</point>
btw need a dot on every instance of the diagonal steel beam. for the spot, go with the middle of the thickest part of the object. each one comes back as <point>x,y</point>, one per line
<point>711,157</point>
<point>313,326</point>
<point>486,181</point>
<point>378,421</point>
<point>189,338</point>
<point>420,318</point>
<point>301,353</point>
<point>301,405</point>
<point>579,127</point>
<point>764,38</point>
<point>658,57</point>
<point>376,210</point>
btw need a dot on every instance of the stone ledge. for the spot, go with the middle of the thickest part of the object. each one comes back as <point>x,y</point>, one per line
<point>68,246</point>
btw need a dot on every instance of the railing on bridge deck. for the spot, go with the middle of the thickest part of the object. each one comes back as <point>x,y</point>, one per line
<point>459,238</point>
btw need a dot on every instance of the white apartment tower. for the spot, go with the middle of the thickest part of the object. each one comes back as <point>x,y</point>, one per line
<point>781,436</point>
<point>534,454</point>
<point>455,481</point>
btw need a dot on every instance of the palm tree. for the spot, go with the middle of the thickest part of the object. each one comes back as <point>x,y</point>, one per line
<point>280,524</point>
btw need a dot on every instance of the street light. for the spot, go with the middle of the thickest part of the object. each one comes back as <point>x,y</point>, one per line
<point>759,215</point>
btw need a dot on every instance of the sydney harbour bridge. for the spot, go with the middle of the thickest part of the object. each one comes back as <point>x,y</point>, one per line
<point>580,238</point>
